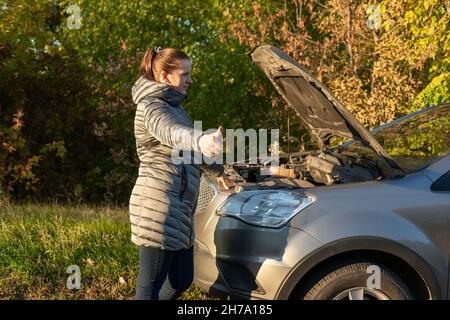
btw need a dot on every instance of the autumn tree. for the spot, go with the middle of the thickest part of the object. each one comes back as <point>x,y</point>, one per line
<point>381,59</point>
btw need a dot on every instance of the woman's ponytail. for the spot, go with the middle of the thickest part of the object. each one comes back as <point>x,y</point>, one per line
<point>146,68</point>
<point>157,59</point>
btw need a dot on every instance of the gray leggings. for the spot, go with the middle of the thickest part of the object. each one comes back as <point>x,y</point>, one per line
<point>164,274</point>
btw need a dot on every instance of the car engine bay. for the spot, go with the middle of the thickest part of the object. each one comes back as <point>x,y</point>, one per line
<point>305,170</point>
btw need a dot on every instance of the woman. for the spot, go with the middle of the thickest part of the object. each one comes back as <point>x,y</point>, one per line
<point>164,197</point>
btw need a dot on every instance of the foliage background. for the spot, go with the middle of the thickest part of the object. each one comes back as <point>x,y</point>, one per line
<point>66,115</point>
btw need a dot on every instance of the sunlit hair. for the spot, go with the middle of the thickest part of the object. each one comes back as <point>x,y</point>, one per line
<point>157,60</point>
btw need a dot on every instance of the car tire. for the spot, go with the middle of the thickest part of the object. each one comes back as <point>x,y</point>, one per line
<point>355,281</point>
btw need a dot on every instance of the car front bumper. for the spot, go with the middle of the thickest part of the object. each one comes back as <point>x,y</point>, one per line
<point>236,260</point>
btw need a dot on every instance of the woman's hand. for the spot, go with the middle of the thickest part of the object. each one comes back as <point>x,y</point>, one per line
<point>211,144</point>
<point>225,182</point>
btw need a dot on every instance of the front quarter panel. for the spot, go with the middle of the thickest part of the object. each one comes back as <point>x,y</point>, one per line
<point>402,211</point>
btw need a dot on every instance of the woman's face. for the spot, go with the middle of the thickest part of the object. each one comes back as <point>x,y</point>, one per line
<point>180,78</point>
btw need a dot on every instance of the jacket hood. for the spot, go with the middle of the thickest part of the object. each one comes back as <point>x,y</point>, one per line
<point>322,113</point>
<point>145,87</point>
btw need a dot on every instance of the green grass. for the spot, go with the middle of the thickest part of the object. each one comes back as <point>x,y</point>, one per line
<point>39,242</point>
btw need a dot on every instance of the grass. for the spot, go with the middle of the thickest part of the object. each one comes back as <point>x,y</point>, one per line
<point>39,242</point>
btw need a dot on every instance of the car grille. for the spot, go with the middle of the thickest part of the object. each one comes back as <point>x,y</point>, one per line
<point>206,194</point>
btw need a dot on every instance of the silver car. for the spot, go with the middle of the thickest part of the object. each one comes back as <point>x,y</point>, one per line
<point>368,219</point>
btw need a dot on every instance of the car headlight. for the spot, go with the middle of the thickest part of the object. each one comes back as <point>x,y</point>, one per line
<point>266,208</point>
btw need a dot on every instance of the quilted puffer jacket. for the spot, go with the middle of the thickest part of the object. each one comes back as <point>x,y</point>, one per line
<point>164,197</point>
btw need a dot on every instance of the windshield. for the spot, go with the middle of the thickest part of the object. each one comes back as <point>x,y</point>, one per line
<point>413,141</point>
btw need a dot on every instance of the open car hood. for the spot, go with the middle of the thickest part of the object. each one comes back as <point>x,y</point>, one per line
<point>323,114</point>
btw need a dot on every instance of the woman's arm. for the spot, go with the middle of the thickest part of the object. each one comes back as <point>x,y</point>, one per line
<point>166,126</point>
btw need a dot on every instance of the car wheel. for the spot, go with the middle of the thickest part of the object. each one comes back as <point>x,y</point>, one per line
<point>355,281</point>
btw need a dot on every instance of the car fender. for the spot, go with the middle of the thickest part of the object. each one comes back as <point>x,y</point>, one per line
<point>361,243</point>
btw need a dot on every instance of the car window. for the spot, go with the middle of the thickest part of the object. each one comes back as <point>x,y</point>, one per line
<point>415,141</point>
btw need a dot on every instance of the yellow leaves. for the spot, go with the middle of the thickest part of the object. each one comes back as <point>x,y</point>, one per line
<point>17,119</point>
<point>410,16</point>
<point>387,26</point>
<point>32,161</point>
<point>9,148</point>
<point>391,91</point>
<point>256,9</point>
<point>285,28</point>
<point>89,262</point>
<point>57,146</point>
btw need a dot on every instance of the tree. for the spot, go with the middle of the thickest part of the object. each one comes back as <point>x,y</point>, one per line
<point>41,101</point>
<point>376,68</point>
